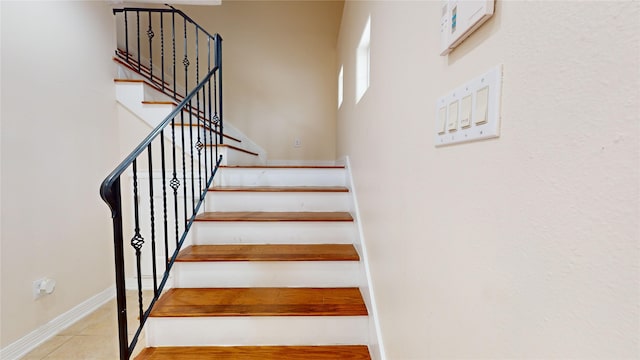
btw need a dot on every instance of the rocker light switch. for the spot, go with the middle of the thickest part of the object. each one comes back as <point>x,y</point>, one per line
<point>442,120</point>
<point>482,105</point>
<point>465,112</point>
<point>452,123</point>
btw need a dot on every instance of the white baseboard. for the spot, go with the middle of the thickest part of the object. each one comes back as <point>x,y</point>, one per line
<point>45,332</point>
<point>376,347</point>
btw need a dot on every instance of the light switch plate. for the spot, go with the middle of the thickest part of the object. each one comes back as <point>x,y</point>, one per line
<point>488,84</point>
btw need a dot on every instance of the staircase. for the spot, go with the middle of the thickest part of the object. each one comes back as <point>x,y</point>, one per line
<point>270,277</point>
<point>269,266</point>
<point>270,270</point>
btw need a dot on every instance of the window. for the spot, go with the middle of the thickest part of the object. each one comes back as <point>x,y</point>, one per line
<point>340,86</point>
<point>363,61</point>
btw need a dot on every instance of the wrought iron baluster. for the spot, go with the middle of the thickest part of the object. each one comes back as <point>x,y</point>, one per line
<point>216,121</point>
<point>150,34</point>
<point>137,241</point>
<point>173,42</point>
<point>126,35</point>
<point>221,130</point>
<point>184,171</point>
<point>205,127</point>
<point>185,61</point>
<point>175,183</point>
<point>199,144</point>
<point>153,223</point>
<point>191,147</point>
<point>164,201</point>
<point>211,127</point>
<point>138,37</point>
<point>162,49</point>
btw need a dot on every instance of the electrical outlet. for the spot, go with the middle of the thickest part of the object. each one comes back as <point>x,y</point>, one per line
<point>36,288</point>
<point>41,287</point>
<point>297,143</point>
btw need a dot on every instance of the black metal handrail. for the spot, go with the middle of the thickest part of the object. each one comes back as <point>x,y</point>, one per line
<point>189,161</point>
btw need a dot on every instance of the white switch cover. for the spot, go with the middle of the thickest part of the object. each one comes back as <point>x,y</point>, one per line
<point>477,110</point>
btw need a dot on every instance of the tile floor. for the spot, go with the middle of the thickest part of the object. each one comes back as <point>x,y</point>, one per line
<point>95,337</point>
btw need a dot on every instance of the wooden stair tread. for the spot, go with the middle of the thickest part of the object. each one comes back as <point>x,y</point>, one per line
<point>217,302</point>
<point>269,252</point>
<point>335,352</point>
<point>273,216</point>
<point>280,188</point>
<point>155,102</point>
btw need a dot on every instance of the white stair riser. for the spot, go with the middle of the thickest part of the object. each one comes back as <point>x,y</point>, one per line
<point>235,157</point>
<point>267,274</point>
<point>258,330</point>
<point>210,233</point>
<point>274,201</point>
<point>280,177</point>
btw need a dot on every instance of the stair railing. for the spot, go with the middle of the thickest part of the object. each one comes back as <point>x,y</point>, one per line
<point>179,42</point>
<point>162,201</point>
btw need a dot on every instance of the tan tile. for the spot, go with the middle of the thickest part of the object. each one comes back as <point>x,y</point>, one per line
<point>94,318</point>
<point>108,326</point>
<point>98,316</point>
<point>46,348</point>
<point>87,348</point>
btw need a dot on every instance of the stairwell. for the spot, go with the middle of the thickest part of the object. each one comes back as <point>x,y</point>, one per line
<point>271,268</point>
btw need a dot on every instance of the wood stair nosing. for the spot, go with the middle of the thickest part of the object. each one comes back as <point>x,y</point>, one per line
<point>268,252</point>
<point>344,352</point>
<point>250,302</point>
<point>283,216</point>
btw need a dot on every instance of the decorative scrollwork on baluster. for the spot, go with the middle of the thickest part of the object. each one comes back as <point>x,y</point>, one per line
<point>137,241</point>
<point>174,183</point>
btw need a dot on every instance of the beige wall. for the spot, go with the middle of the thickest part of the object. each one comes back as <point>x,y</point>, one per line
<point>521,247</point>
<point>279,72</point>
<point>58,142</point>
